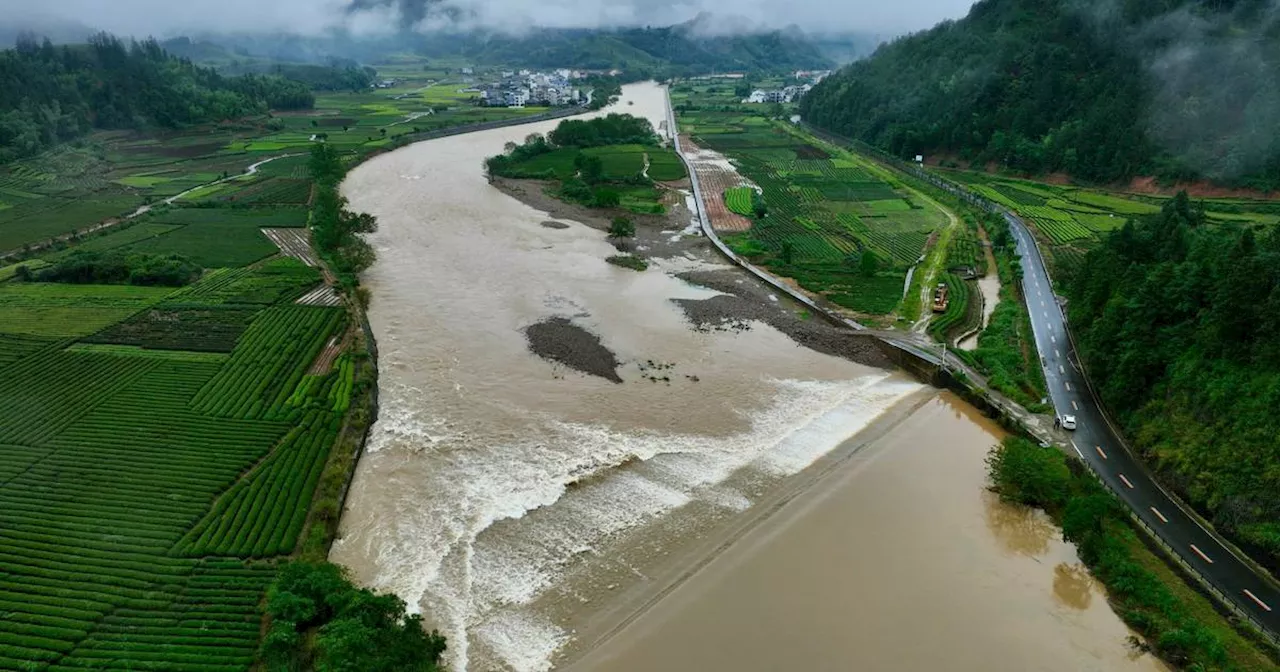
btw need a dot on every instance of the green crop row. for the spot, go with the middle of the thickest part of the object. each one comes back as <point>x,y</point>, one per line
<point>263,513</point>
<point>738,199</point>
<point>957,316</point>
<point>268,362</point>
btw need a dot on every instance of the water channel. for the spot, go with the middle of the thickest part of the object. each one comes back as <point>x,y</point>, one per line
<point>539,517</point>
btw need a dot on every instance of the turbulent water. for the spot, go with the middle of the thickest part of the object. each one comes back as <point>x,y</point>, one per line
<point>495,480</point>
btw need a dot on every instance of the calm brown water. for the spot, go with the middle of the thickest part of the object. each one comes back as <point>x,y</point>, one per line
<point>523,508</point>
<point>902,561</point>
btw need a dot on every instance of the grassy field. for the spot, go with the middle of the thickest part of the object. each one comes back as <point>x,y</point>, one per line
<point>623,170</point>
<point>825,206</point>
<point>112,173</point>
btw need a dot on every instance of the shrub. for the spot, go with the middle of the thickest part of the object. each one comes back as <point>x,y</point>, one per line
<point>320,621</point>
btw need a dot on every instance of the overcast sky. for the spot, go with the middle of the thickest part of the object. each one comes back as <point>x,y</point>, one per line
<point>168,17</point>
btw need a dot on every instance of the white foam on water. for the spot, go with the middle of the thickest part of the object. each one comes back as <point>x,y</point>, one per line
<point>524,641</point>
<point>474,503</point>
<point>806,444</point>
<point>527,527</point>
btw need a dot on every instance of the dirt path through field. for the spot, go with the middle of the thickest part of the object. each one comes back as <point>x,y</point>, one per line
<point>935,262</point>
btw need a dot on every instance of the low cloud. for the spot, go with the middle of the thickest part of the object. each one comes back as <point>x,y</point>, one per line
<point>1217,90</point>
<point>166,17</point>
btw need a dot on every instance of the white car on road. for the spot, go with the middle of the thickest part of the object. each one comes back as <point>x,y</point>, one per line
<point>1068,422</point>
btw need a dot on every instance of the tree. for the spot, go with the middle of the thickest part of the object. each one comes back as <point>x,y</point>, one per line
<point>606,198</point>
<point>354,629</point>
<point>590,168</point>
<point>758,205</point>
<point>868,264</point>
<point>622,227</point>
<point>788,251</point>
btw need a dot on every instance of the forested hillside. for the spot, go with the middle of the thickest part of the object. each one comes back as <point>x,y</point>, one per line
<point>1104,91</point>
<point>1178,322</point>
<point>52,94</point>
<point>675,50</point>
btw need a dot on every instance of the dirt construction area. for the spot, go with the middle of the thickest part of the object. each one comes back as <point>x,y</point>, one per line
<point>716,174</point>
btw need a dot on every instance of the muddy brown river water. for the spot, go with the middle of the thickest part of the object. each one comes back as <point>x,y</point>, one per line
<point>541,518</point>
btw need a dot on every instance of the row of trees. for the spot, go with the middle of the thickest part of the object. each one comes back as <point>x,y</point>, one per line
<point>612,129</point>
<point>1178,321</point>
<point>1040,85</point>
<point>110,268</point>
<point>335,229</point>
<point>53,94</point>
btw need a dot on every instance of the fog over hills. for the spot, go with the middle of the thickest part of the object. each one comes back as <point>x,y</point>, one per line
<point>167,18</point>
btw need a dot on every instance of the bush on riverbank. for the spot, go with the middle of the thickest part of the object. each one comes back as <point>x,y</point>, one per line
<point>321,621</point>
<point>628,261</point>
<point>335,229</point>
<point>1172,617</point>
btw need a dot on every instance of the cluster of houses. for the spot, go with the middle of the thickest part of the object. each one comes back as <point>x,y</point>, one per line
<point>517,89</point>
<point>788,94</point>
<point>785,95</point>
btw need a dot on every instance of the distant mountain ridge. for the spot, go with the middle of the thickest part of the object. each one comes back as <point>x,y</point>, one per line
<point>680,49</point>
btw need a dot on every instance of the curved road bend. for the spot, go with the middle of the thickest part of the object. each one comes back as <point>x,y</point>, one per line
<point>1099,446</point>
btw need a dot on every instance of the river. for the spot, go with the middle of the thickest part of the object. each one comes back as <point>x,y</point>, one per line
<point>527,510</point>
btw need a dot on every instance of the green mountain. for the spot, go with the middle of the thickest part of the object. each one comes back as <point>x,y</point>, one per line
<point>1177,320</point>
<point>1101,90</point>
<point>676,48</point>
<point>52,94</point>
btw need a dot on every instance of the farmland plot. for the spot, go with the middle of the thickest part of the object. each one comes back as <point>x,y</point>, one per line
<point>108,474</point>
<point>825,210</point>
<point>125,455</point>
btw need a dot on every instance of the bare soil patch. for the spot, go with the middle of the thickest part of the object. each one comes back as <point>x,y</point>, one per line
<point>558,340</point>
<point>324,362</point>
<point>745,301</point>
<point>807,152</point>
<point>716,175</point>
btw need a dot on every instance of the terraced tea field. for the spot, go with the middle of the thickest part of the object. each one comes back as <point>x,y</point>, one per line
<point>159,448</point>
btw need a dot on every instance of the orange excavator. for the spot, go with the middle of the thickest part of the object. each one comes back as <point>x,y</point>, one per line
<point>940,298</point>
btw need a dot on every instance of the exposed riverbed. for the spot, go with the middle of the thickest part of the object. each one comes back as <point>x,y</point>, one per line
<point>529,509</point>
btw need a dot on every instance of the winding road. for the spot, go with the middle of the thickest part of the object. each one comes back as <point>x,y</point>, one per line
<point>1098,444</point>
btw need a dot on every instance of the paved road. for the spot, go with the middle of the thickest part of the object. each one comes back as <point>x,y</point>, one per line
<point>1099,446</point>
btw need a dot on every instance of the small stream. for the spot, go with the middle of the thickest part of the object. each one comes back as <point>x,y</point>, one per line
<point>989,285</point>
